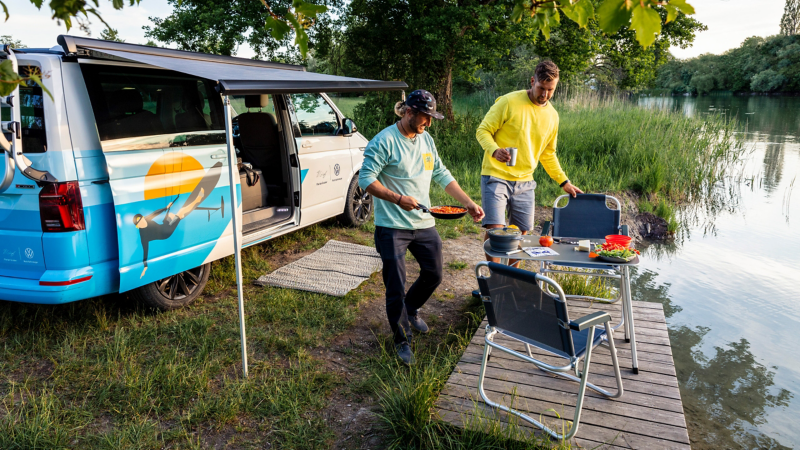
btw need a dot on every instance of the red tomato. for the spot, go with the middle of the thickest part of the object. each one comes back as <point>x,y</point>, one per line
<point>545,241</point>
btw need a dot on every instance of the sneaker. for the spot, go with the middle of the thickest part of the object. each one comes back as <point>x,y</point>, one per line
<point>418,324</point>
<point>404,353</point>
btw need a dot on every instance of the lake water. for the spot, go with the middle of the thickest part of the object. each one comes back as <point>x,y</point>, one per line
<point>729,284</point>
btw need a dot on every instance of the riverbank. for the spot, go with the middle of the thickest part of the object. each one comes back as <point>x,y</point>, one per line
<point>652,160</point>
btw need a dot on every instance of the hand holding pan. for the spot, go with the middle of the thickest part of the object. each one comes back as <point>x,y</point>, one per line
<point>440,215</point>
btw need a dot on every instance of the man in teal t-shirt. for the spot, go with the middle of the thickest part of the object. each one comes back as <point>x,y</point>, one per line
<point>399,164</point>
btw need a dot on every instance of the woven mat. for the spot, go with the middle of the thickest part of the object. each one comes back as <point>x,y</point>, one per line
<point>335,269</point>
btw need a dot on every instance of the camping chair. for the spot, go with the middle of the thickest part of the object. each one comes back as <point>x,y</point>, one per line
<point>517,308</point>
<point>586,216</point>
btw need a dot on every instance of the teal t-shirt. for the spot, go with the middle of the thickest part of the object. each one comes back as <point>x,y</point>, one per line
<point>405,166</point>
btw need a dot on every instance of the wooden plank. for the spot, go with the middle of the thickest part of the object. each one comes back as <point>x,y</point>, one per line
<point>623,349</point>
<point>635,392</point>
<point>502,362</point>
<point>564,404</point>
<point>598,433</point>
<point>563,391</point>
<point>599,356</point>
<point>462,420</point>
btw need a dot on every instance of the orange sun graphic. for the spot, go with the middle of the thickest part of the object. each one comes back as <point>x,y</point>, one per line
<point>172,174</point>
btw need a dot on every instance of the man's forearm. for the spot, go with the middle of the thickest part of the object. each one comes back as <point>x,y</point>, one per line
<point>454,190</point>
<point>378,190</point>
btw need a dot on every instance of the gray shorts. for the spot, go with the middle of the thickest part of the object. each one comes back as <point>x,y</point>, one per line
<point>516,197</point>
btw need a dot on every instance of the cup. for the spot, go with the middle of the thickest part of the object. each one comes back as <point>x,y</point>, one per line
<point>513,160</point>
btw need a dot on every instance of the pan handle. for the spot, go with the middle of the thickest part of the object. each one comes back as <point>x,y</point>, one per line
<point>423,208</point>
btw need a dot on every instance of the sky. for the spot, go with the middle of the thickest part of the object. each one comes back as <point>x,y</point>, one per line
<point>729,23</point>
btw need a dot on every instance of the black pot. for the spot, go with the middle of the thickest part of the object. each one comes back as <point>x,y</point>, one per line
<point>504,240</point>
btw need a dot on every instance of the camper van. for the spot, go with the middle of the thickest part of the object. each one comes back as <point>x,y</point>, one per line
<point>115,172</point>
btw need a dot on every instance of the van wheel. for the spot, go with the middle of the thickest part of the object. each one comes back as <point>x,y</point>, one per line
<point>358,208</point>
<point>174,291</point>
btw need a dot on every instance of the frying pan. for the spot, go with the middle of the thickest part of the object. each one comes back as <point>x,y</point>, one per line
<point>442,215</point>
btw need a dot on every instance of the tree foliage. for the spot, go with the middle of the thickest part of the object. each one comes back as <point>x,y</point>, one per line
<point>110,34</point>
<point>221,26</point>
<point>790,22</point>
<point>759,65</point>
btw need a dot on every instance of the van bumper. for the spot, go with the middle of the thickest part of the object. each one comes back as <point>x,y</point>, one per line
<point>104,280</point>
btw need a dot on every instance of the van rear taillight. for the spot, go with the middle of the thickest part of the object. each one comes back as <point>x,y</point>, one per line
<point>61,207</point>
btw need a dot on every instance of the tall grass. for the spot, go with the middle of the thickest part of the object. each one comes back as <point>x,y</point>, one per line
<point>605,144</point>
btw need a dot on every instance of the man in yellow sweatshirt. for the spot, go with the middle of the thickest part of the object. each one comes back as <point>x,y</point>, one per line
<point>527,121</point>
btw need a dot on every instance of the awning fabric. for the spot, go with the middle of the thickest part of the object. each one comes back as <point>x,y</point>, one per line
<point>236,76</point>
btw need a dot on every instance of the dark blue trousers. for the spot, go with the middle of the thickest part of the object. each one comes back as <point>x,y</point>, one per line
<point>426,246</point>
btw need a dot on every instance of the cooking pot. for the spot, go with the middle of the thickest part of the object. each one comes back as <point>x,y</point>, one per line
<point>504,240</point>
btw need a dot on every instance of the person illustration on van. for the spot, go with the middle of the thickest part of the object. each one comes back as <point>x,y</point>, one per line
<point>150,230</point>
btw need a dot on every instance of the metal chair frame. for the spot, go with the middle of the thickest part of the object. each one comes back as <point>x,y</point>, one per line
<point>606,273</point>
<point>590,321</point>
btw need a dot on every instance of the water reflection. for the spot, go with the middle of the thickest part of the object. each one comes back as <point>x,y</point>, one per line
<point>725,396</point>
<point>728,283</point>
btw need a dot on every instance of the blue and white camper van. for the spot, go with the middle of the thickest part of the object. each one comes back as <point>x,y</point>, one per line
<point>118,179</point>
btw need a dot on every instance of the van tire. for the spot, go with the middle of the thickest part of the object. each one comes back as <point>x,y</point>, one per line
<point>159,294</point>
<point>358,205</point>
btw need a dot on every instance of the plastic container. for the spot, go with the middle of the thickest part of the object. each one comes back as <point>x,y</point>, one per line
<point>620,239</point>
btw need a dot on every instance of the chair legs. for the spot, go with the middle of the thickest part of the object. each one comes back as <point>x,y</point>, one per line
<point>582,380</point>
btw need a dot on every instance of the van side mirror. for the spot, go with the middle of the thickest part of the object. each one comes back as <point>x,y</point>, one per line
<point>348,127</point>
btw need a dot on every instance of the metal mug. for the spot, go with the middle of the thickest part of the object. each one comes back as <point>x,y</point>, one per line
<point>513,160</point>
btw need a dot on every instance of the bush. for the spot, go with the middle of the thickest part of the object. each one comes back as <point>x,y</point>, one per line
<point>767,81</point>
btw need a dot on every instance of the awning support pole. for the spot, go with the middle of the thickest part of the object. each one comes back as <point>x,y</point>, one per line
<point>233,175</point>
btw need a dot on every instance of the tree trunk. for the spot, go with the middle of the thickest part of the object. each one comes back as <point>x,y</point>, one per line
<point>444,91</point>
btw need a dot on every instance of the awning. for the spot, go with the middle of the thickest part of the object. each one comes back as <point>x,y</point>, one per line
<point>236,76</point>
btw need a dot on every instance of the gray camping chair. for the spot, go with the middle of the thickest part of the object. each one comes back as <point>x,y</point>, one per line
<point>586,216</point>
<point>517,308</point>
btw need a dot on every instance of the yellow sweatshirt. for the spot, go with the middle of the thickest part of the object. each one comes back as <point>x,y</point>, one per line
<point>515,121</point>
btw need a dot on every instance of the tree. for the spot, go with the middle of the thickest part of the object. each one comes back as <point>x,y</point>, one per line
<point>7,39</point>
<point>110,34</point>
<point>790,22</point>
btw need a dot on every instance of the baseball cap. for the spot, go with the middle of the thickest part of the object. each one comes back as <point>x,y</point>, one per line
<point>422,101</point>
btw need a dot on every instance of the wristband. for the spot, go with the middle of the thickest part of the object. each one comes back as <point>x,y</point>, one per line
<point>562,184</point>
<point>399,199</point>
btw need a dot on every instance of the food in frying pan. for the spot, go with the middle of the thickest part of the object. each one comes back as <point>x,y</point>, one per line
<point>448,209</point>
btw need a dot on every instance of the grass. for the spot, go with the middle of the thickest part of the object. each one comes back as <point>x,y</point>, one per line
<point>105,373</point>
<point>458,265</point>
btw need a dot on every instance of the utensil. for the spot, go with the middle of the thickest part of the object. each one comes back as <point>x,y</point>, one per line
<point>437,215</point>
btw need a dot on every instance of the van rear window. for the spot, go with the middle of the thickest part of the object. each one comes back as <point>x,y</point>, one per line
<point>31,106</point>
<point>135,102</point>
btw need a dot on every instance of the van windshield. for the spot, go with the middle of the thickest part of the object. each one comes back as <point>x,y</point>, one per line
<point>135,102</point>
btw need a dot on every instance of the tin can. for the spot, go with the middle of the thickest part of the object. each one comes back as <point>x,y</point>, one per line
<point>513,160</point>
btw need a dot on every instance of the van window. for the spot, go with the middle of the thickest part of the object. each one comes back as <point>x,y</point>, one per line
<point>315,115</point>
<point>135,102</point>
<point>31,105</point>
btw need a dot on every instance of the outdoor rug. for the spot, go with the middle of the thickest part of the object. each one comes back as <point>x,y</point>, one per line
<point>335,269</point>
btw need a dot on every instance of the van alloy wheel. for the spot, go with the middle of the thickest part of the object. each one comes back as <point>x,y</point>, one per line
<point>182,285</point>
<point>362,205</point>
<point>358,207</point>
<point>174,291</point>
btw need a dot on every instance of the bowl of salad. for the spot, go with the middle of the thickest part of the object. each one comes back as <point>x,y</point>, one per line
<point>613,252</point>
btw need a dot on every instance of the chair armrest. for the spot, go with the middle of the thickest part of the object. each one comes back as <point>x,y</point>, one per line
<point>546,228</point>
<point>624,230</point>
<point>590,320</point>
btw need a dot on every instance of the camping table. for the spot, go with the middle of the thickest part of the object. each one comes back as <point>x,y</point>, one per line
<point>567,255</point>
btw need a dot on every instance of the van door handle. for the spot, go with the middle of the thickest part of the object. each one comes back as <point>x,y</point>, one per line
<point>220,155</point>
<point>306,144</point>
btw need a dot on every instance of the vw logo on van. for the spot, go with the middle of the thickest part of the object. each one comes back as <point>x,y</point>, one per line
<point>29,253</point>
<point>336,169</point>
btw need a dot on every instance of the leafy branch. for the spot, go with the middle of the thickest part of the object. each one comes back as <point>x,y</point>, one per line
<point>9,79</point>
<point>299,17</point>
<point>642,16</point>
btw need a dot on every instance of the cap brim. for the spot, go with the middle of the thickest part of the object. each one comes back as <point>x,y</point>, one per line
<point>435,114</point>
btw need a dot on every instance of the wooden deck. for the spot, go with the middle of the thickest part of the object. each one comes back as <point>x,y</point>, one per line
<point>649,415</point>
